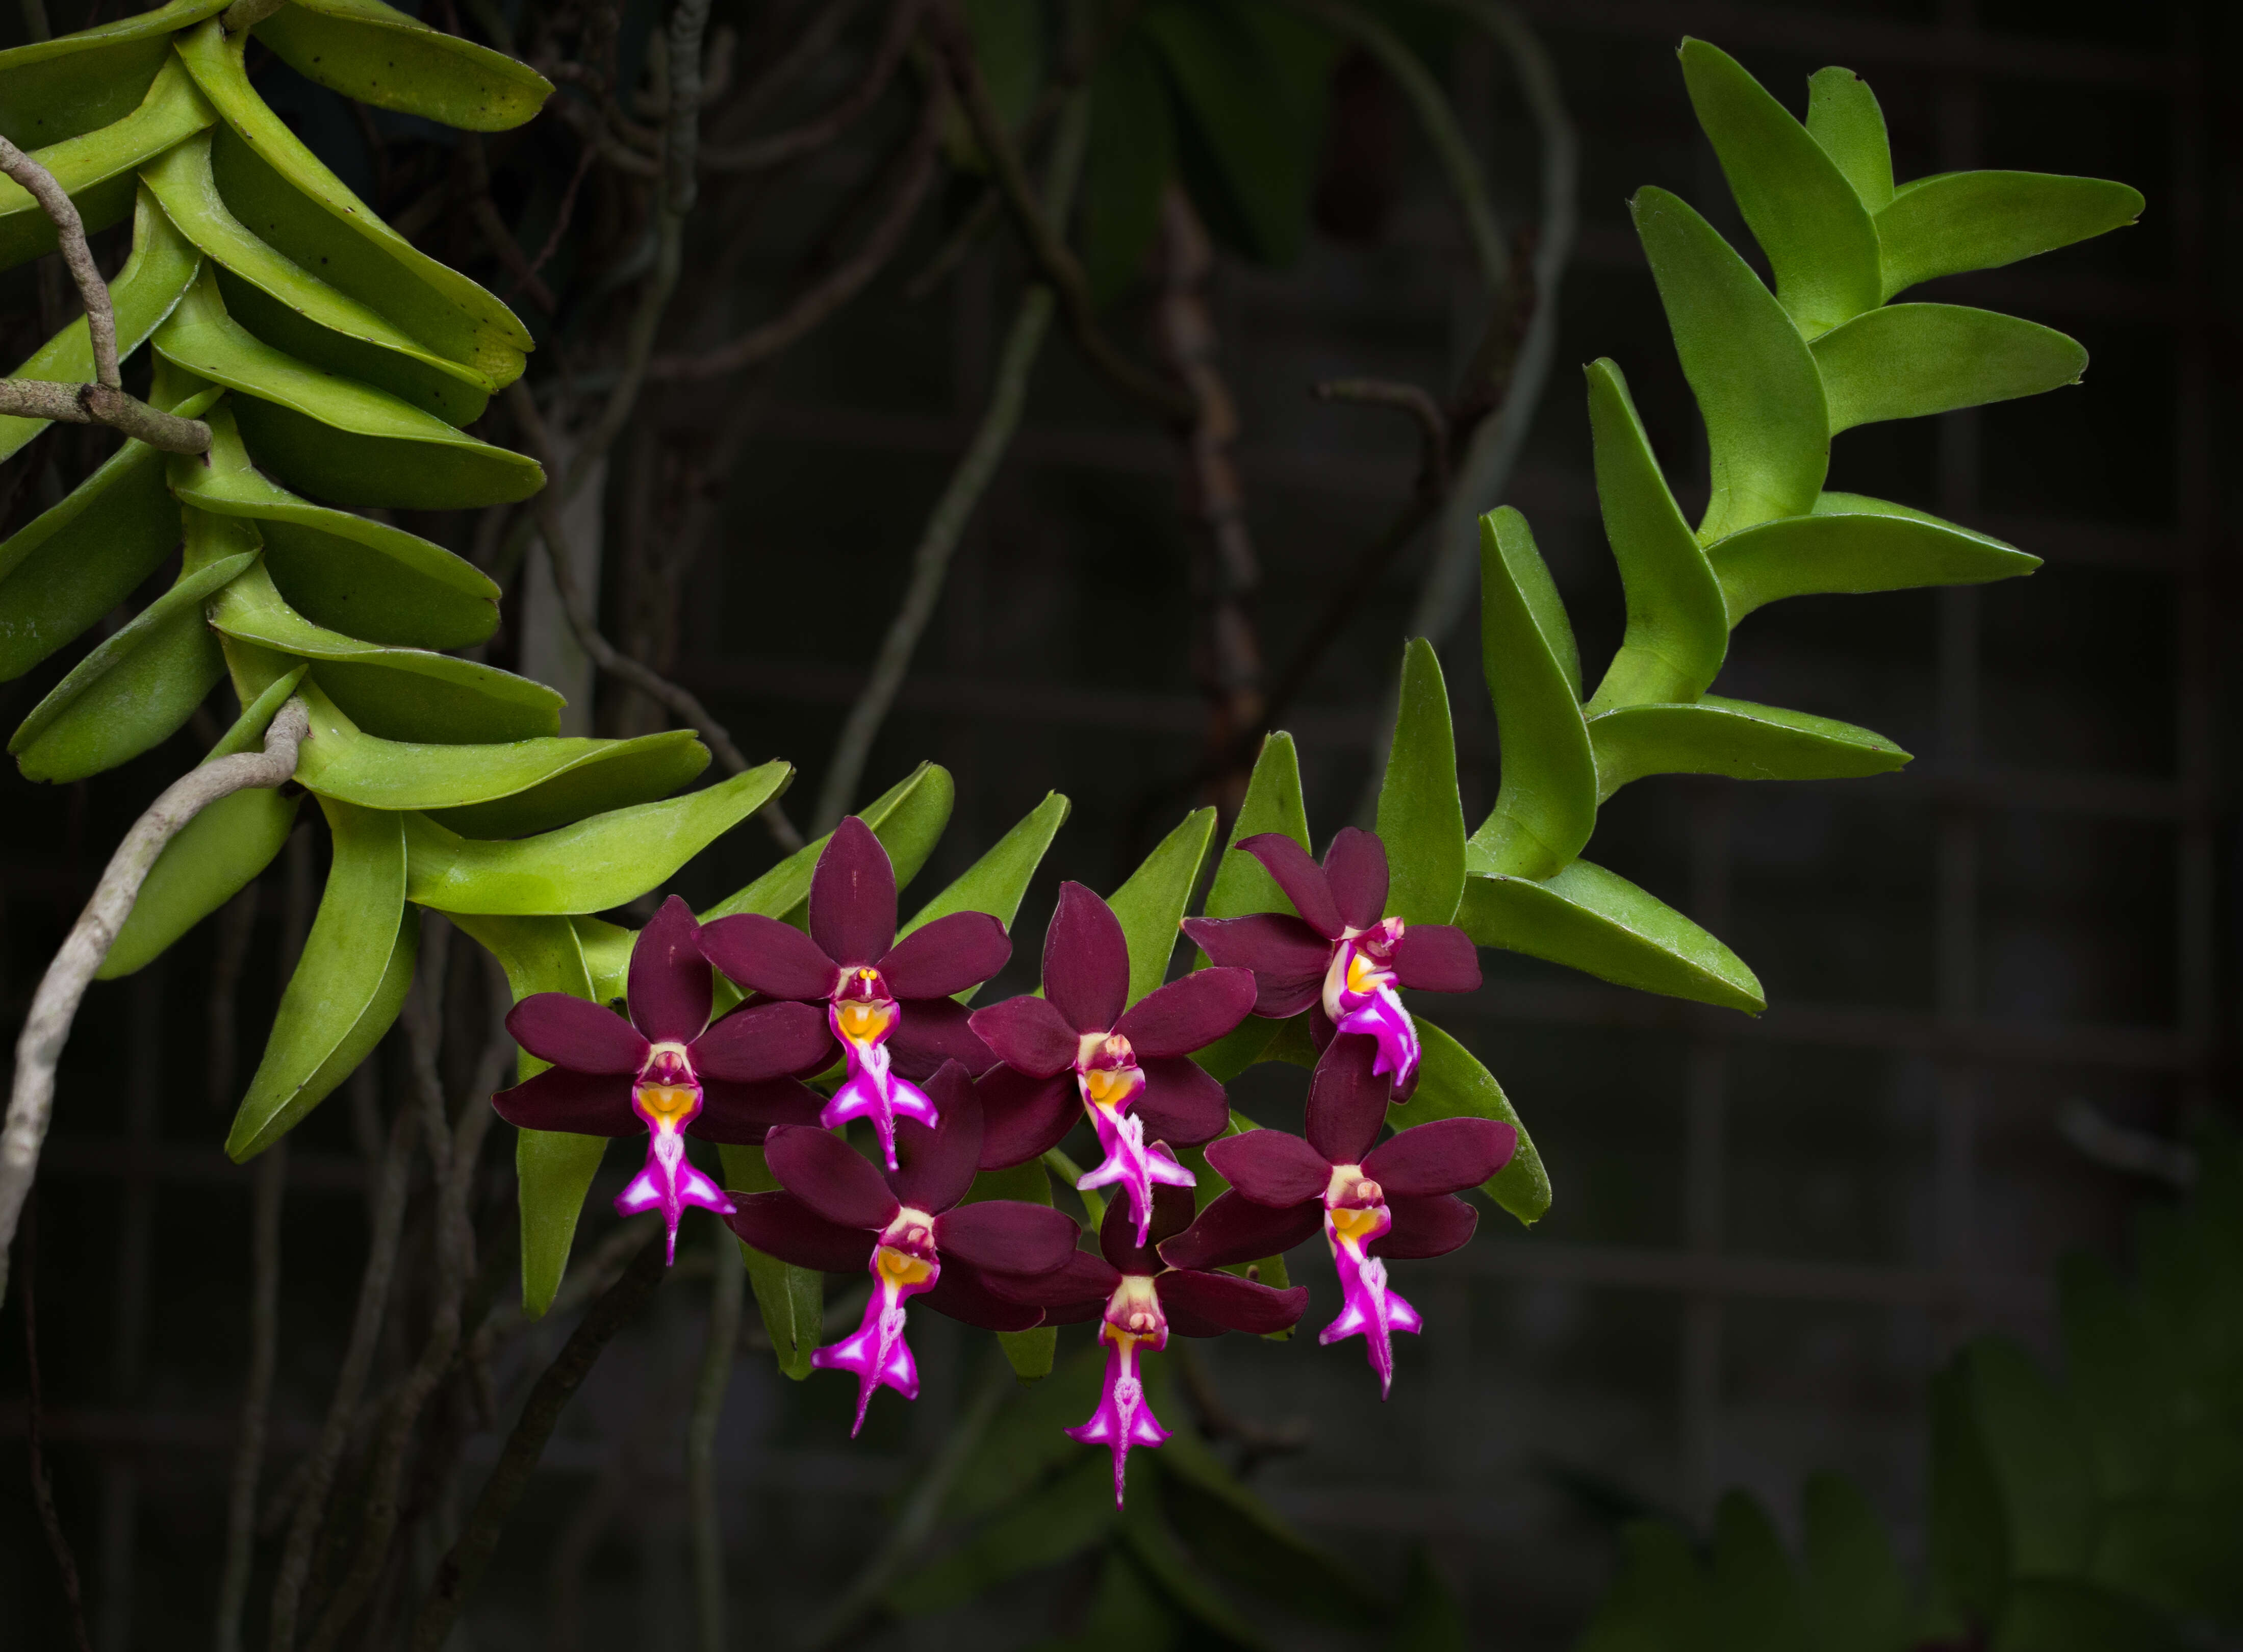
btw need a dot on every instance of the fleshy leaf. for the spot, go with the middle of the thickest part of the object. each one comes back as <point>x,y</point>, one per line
<point>1451,1083</point>
<point>995,883</point>
<point>1421,817</point>
<point>1272,804</point>
<point>1908,360</point>
<point>1152,902</point>
<point>908,819</point>
<point>1843,116</point>
<point>790,1299</point>
<point>1982,220</point>
<point>376,54</point>
<point>55,89</point>
<point>1855,1596</point>
<point>1734,737</point>
<point>1852,543</point>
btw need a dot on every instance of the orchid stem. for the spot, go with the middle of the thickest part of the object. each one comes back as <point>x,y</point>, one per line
<point>1067,1171</point>
<point>727,1282</point>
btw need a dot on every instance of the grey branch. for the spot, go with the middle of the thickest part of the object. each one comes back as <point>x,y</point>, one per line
<point>54,1007</point>
<point>70,232</point>
<point>1412,399</point>
<point>822,129</point>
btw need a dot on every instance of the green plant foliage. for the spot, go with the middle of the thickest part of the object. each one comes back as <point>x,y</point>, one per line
<point>1548,804</point>
<point>1152,902</point>
<point>378,55</point>
<point>790,1299</point>
<point>1451,1083</point>
<point>995,883</point>
<point>1421,817</point>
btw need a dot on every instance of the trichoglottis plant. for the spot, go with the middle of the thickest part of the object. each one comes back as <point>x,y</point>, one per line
<point>1132,1070</point>
<point>889,1002</point>
<point>665,1067</point>
<point>1375,1203</point>
<point>1138,1297</point>
<point>1341,958</point>
<point>908,1227</point>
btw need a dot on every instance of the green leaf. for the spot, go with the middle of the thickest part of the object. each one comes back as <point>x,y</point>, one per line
<point>1152,903</point>
<point>1755,1593</point>
<point>1982,220</point>
<point>1421,817</point>
<point>2032,1439</point>
<point>56,89</point>
<point>790,1299</point>
<point>279,188</point>
<point>375,54</point>
<point>131,693</point>
<point>2060,1615</point>
<point>1597,921</point>
<point>1451,1083</point>
<point>1735,738</point>
<point>1661,1600</point>
<point>1856,1597</point>
<point>1132,158</point>
<point>1843,115</point>
<point>590,866</point>
<point>1125,1610</point>
<point>1969,1537</point>
<point>1063,1519</point>
<point>215,855</point>
<point>908,819</point>
<point>607,954</point>
<point>1852,543</point>
<point>1678,632</point>
<point>1806,216</point>
<point>1908,360</point>
<point>1272,804</point>
<point>2122,1367</point>
<point>348,986</point>
<point>1153,1544</point>
<point>68,566</point>
<point>337,437</point>
<point>1026,1443</point>
<point>1029,1352</point>
<point>1431,1619</point>
<point>1547,805</point>
<point>995,883</point>
<point>1753,375</point>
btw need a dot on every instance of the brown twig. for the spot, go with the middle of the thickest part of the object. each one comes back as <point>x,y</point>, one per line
<point>826,22</point>
<point>69,235</point>
<point>43,1490</point>
<point>816,132</point>
<point>584,159</point>
<point>502,244</point>
<point>1412,399</point>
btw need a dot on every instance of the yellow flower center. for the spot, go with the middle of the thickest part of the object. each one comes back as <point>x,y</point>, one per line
<point>668,1103</point>
<point>863,1023</point>
<point>1109,1086</point>
<point>901,1267</point>
<point>1356,1224</point>
<point>1362,975</point>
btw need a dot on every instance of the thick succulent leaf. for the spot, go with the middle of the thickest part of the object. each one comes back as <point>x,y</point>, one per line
<point>1029,1352</point>
<point>337,437</point>
<point>67,567</point>
<point>1967,1548</point>
<point>134,691</point>
<point>1751,371</point>
<point>1597,921</point>
<point>1658,1602</point>
<point>591,865</point>
<point>2070,1615</point>
<point>995,883</point>
<point>215,854</point>
<point>1678,632</point>
<point>2121,1364</point>
<point>376,54</point>
<point>56,89</point>
<point>1907,361</point>
<point>1855,1596</point>
<point>158,269</point>
<point>96,168</point>
<point>1982,220</point>
<point>1131,160</point>
<point>1152,902</point>
<point>2036,1450</point>
<point>349,983</point>
<point>1755,1592</point>
<point>1421,817</point>
<point>1807,219</point>
<point>790,1299</point>
<point>280,190</point>
<point>1547,805</point>
<point>1843,116</point>
<point>1852,543</point>
<point>1735,738</point>
<point>908,819</point>
<point>289,307</point>
<point>1451,1083</point>
<point>1272,804</point>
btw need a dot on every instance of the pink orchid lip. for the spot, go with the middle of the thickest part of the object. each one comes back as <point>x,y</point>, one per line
<point>862,1017</point>
<point>667,1181</point>
<point>902,1264</point>
<point>1132,1320</point>
<point>1107,1074</point>
<point>1356,1217</point>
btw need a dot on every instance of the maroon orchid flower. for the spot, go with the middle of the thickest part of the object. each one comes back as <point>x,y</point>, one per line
<point>1130,1069</point>
<point>666,1069</point>
<point>888,1001</point>
<point>1392,1200</point>
<point>906,1227</point>
<point>1340,955</point>
<point>1139,1299</point>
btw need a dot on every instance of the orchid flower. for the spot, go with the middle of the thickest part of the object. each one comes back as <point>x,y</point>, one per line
<point>1129,1068</point>
<point>907,1228</point>
<point>1374,1202</point>
<point>1340,956</point>
<point>666,1068</point>
<point>888,1001</point>
<point>1139,1299</point>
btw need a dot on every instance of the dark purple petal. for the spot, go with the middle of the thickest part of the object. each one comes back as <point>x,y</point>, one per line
<point>1086,961</point>
<point>947,956</point>
<point>1426,1227</point>
<point>1302,880</point>
<point>1027,1034</point>
<point>1083,1279</point>
<point>1347,1103</point>
<point>1436,958</point>
<point>763,1040</point>
<point>830,1177</point>
<point>1270,1167</point>
<point>781,1225</point>
<point>962,1294</point>
<point>1023,1116</point>
<point>582,1103</point>
<point>1117,1234</point>
<point>1288,958</point>
<point>1233,1230</point>
<point>1181,1104</point>
<point>1447,1156</point>
<point>740,1114</point>
<point>576,1033</point>
<point>763,955</point>
<point>1235,1304</point>
<point>930,1031</point>
<point>936,1166</point>
<point>1355,871</point>
<point>1009,1235</point>
<point>669,987</point>
<point>853,897</point>
<point>1188,1015</point>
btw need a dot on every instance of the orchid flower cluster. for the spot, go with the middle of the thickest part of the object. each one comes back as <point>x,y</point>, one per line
<point>947,1094</point>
